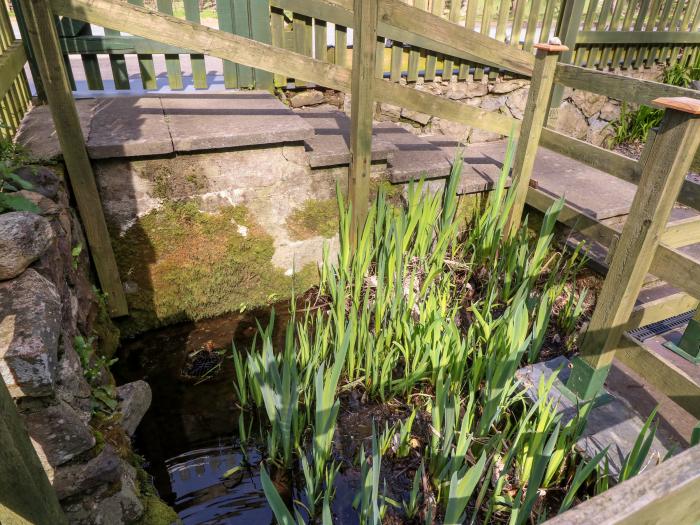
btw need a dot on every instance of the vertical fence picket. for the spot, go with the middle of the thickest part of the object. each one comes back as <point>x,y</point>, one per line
<point>172,61</point>
<point>644,19</point>
<point>117,62</point>
<point>241,26</point>
<point>621,52</point>
<point>469,23</point>
<point>638,25</point>
<point>693,53</point>
<point>396,58</point>
<point>431,58</point>
<point>199,69</point>
<point>448,67</point>
<point>302,39</point>
<point>663,22</point>
<point>320,39</point>
<point>68,27</point>
<point>146,67</point>
<point>548,20</point>
<point>644,51</point>
<point>485,30</point>
<point>518,17</point>
<point>685,25</point>
<point>503,12</point>
<point>341,45</point>
<point>260,31</point>
<point>614,26</point>
<point>532,21</point>
<point>582,54</point>
<point>414,52</point>
<point>224,9</point>
<point>277,29</point>
<point>673,27</point>
<point>601,25</point>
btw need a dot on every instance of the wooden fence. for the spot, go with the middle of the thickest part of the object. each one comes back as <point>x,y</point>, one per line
<point>602,34</point>
<point>14,89</point>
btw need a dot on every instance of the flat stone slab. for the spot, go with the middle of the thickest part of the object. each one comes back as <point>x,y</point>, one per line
<point>415,157</point>
<point>37,133</point>
<point>482,167</point>
<point>231,120</point>
<point>128,127</point>
<point>330,145</point>
<point>614,424</point>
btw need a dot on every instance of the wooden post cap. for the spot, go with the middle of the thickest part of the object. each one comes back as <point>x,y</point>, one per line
<point>554,45</point>
<point>685,104</point>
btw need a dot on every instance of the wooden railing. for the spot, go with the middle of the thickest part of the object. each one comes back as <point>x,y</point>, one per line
<point>14,89</point>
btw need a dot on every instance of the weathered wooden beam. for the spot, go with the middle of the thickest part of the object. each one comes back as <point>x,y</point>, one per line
<point>660,183</point>
<point>663,495</point>
<point>682,233</point>
<point>200,39</point>
<point>638,37</point>
<point>677,268</point>
<point>12,61</point>
<point>362,110</point>
<point>660,309</point>
<point>42,33</point>
<point>619,87</point>
<point>534,118</point>
<point>26,496</point>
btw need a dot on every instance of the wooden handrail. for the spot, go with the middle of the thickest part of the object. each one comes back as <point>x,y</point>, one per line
<point>12,61</point>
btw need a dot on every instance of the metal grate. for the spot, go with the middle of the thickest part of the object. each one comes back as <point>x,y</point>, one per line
<point>643,333</point>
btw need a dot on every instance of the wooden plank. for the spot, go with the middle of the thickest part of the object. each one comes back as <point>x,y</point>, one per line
<point>620,51</point>
<point>638,25</point>
<point>615,22</point>
<point>690,9</point>
<point>637,37</point>
<point>431,58</point>
<point>341,45</point>
<point>172,62</point>
<point>660,183</point>
<point>414,52</point>
<point>548,20</point>
<point>448,65</point>
<point>643,51</point>
<point>260,30</point>
<point>31,57</point>
<point>503,13</point>
<point>146,67</point>
<point>301,25</point>
<point>116,45</point>
<point>320,39</point>
<point>42,32</point>
<point>601,26</point>
<point>568,28</point>
<point>12,61</point>
<point>199,69</point>
<point>682,233</point>
<point>26,495</point>
<point>534,118</point>
<point>485,28</point>
<point>241,26</point>
<point>277,29</point>
<point>91,65</point>
<point>518,17</point>
<point>581,52</point>
<point>663,495</point>
<point>225,13</point>
<point>663,24</point>
<point>396,58</point>
<point>469,21</point>
<point>661,309</point>
<point>676,268</point>
<point>532,21</point>
<point>362,111</point>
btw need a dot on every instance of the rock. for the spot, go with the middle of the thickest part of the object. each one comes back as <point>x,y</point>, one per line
<point>415,116</point>
<point>695,84</point>
<point>43,180</point>
<point>104,469</point>
<point>308,97</point>
<point>46,205</point>
<point>71,385</point>
<point>571,121</point>
<point>493,103</point>
<point>389,110</point>
<point>501,88</point>
<point>610,111</point>
<point>516,102</point>
<point>58,434</point>
<point>134,400</point>
<point>30,317</point>
<point>480,135</point>
<point>589,103</point>
<point>24,237</point>
<point>460,90</point>
<point>599,131</point>
<point>454,129</point>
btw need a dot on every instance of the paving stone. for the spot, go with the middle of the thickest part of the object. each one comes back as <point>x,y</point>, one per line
<point>330,145</point>
<point>414,157</point>
<point>128,127</point>
<point>231,120</point>
<point>612,424</point>
<point>37,133</point>
<point>481,168</point>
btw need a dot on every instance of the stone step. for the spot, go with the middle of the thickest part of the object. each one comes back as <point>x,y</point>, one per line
<point>330,145</point>
<point>415,157</point>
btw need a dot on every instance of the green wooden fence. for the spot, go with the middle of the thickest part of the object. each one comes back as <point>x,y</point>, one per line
<point>602,34</point>
<point>14,90</point>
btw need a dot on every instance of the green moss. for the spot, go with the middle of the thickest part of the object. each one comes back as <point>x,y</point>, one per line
<point>156,512</point>
<point>183,264</point>
<point>104,329</point>
<point>314,217</point>
<point>169,184</point>
<point>393,192</point>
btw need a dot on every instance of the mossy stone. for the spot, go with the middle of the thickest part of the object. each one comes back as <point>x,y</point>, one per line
<point>314,218</point>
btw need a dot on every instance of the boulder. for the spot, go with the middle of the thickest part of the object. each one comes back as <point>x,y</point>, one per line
<point>610,111</point>
<point>516,102</point>
<point>461,90</point>
<point>71,385</point>
<point>493,103</point>
<point>599,131</point>
<point>389,111</point>
<point>134,400</point>
<point>104,469</point>
<point>454,129</point>
<point>415,116</point>
<point>589,103</point>
<point>43,180</point>
<point>501,88</point>
<point>46,205</point>
<point>30,325</point>
<point>571,121</point>
<point>308,97</point>
<point>58,434</point>
<point>24,237</point>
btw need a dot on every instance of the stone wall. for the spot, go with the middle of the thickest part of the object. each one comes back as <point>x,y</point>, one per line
<point>56,342</point>
<point>582,115</point>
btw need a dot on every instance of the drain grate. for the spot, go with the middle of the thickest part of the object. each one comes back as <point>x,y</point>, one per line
<point>643,333</point>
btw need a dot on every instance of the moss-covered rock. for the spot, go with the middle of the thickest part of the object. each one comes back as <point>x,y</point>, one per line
<point>313,218</point>
<point>183,264</point>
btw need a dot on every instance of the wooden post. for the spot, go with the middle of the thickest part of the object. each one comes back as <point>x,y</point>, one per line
<point>362,109</point>
<point>567,28</point>
<point>26,496</point>
<point>38,86</point>
<point>661,180</point>
<point>531,128</point>
<point>42,34</point>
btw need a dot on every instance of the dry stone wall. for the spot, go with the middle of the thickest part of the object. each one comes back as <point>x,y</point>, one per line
<point>55,339</point>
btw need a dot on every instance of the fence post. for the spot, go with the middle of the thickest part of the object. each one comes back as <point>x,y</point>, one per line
<point>661,180</point>
<point>531,128</point>
<point>26,496</point>
<point>42,33</point>
<point>567,28</point>
<point>38,86</point>
<point>362,108</point>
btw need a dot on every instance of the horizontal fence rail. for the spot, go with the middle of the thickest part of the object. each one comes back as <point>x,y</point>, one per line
<point>602,34</point>
<point>14,89</point>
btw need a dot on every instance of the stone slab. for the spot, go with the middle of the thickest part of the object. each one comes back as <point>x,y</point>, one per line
<point>414,157</point>
<point>37,133</point>
<point>482,167</point>
<point>330,146</point>
<point>231,120</point>
<point>128,127</point>
<point>614,424</point>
